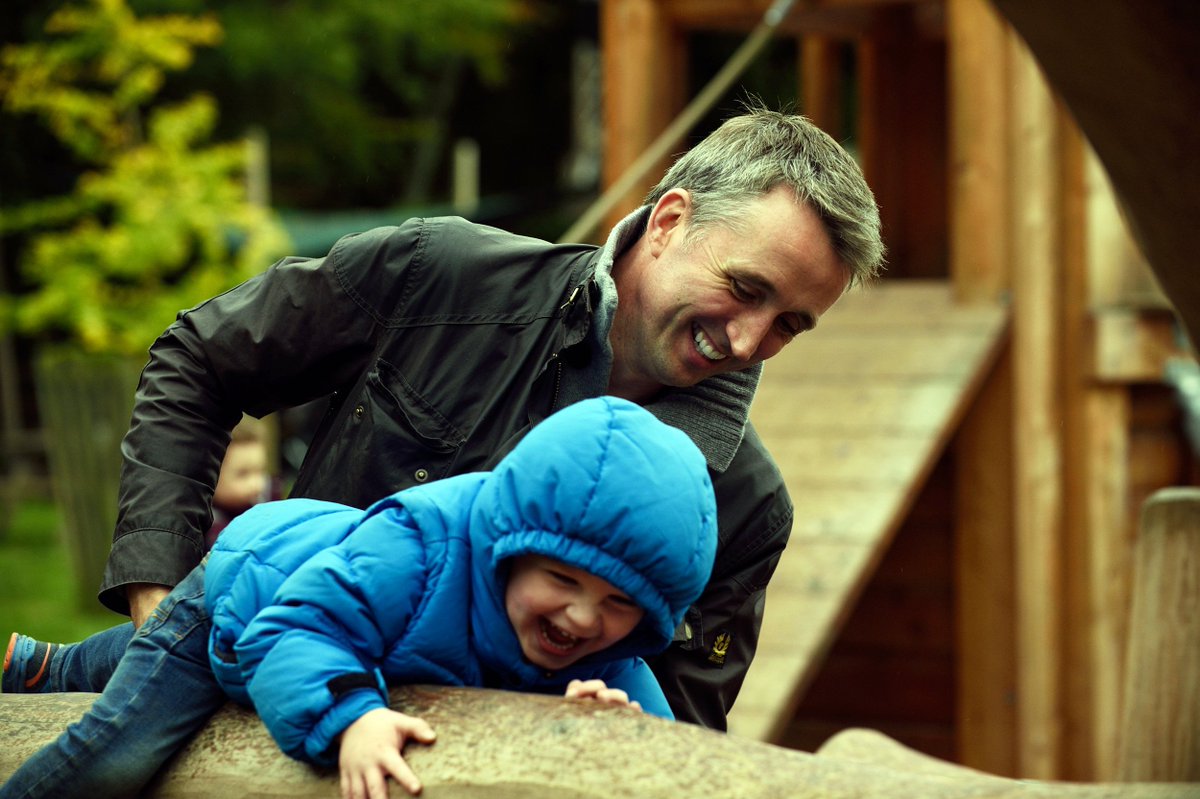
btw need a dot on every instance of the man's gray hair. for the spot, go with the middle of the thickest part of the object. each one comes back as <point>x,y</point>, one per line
<point>751,154</point>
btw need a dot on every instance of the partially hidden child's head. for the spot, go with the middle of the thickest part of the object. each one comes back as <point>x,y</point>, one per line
<point>599,530</point>
<point>242,481</point>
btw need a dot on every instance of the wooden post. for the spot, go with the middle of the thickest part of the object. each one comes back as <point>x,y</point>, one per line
<point>984,579</point>
<point>644,68</point>
<point>977,72</point>
<point>821,82</point>
<point>1160,738</point>
<point>1038,418</point>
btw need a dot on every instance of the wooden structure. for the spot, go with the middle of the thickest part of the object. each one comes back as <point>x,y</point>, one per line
<point>498,745</point>
<point>988,610</point>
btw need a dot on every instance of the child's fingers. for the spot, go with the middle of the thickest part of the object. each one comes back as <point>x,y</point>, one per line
<point>402,773</point>
<point>613,696</point>
<point>416,728</point>
<point>579,689</point>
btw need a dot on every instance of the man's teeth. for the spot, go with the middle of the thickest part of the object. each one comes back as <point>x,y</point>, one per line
<point>706,348</point>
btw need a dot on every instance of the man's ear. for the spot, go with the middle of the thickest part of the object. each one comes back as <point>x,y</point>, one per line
<point>668,217</point>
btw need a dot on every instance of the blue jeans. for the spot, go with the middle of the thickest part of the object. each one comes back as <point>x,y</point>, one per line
<point>88,665</point>
<point>162,692</point>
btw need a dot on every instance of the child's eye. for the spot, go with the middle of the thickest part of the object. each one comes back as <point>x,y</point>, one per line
<point>559,577</point>
<point>622,601</point>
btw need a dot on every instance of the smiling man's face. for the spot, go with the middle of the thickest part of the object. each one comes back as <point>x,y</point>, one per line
<point>722,301</point>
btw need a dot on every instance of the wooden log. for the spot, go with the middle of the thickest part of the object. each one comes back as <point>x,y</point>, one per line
<point>1160,734</point>
<point>493,744</point>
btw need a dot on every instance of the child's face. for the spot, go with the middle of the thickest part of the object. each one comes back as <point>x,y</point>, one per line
<point>561,613</point>
<point>243,476</point>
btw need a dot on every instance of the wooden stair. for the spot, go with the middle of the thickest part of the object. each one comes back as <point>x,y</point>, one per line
<point>856,413</point>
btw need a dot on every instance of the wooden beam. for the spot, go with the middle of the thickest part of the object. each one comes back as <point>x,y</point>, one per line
<point>984,579</point>
<point>644,65</point>
<point>1037,418</point>
<point>1160,738</point>
<point>902,138</point>
<point>821,83</point>
<point>977,72</point>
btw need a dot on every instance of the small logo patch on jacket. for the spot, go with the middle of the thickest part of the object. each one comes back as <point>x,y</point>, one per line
<point>720,648</point>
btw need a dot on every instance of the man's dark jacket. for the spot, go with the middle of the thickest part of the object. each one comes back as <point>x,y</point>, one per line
<point>439,344</point>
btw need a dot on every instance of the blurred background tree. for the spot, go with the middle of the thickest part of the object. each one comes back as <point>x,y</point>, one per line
<point>159,218</point>
<point>117,209</point>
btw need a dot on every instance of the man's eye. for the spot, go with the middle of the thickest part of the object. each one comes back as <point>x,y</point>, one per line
<point>739,290</point>
<point>622,601</point>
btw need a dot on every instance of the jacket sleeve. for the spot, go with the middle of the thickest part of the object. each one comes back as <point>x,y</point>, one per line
<point>301,330</point>
<point>312,660</point>
<point>702,671</point>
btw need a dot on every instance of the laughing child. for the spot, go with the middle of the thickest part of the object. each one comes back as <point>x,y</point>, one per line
<point>555,573</point>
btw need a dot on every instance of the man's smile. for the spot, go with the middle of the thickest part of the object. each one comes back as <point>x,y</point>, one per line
<point>705,345</point>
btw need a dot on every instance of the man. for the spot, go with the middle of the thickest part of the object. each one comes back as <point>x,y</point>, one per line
<point>441,342</point>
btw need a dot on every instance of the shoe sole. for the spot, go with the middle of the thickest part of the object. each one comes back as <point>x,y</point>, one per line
<point>32,681</point>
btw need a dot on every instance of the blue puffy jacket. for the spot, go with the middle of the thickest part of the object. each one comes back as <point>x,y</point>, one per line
<point>316,605</point>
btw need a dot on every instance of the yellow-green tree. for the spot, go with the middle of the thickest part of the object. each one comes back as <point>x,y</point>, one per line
<point>160,219</point>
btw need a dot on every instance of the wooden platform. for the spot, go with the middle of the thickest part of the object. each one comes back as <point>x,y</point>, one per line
<point>856,413</point>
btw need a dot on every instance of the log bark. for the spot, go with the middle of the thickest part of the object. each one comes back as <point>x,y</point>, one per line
<point>495,745</point>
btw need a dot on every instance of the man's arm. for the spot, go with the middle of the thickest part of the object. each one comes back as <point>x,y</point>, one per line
<point>702,671</point>
<point>301,330</point>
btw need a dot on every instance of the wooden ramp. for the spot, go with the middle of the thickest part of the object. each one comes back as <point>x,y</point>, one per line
<point>856,413</point>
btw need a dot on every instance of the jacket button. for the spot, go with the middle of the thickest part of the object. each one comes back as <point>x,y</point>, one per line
<point>358,412</point>
<point>421,475</point>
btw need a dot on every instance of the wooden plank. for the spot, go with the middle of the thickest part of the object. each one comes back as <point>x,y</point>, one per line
<point>850,408</point>
<point>1134,346</point>
<point>901,138</point>
<point>1085,459</point>
<point>1038,450</point>
<point>821,83</point>
<point>987,726</point>
<point>854,453</point>
<point>884,355</point>
<point>977,74</point>
<point>644,65</point>
<point>1109,568</point>
<point>1160,738</point>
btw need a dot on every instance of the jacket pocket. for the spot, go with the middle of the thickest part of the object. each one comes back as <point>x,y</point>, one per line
<point>408,440</point>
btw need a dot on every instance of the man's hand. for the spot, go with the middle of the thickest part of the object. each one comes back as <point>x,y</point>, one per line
<point>596,689</point>
<point>371,750</point>
<point>143,599</point>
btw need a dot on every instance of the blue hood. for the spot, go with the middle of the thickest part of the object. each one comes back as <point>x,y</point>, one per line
<point>603,486</point>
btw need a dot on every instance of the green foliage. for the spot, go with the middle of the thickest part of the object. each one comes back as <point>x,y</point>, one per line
<point>161,219</point>
<point>350,92</point>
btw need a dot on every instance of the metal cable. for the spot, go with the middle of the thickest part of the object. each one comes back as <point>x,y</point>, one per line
<point>683,123</point>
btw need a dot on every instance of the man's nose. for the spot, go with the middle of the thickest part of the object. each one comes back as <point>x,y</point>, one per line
<point>746,334</point>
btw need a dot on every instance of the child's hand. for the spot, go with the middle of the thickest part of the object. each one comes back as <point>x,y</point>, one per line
<point>371,752</point>
<point>596,689</point>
